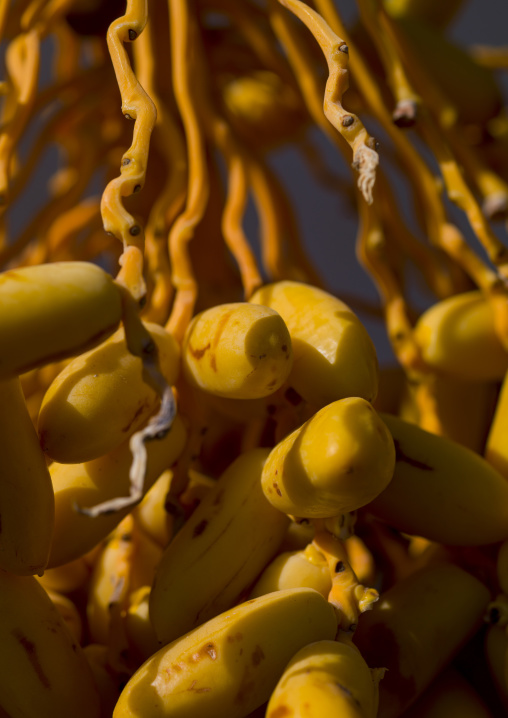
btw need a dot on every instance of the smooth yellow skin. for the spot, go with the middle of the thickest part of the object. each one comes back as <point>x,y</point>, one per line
<point>219,552</point>
<point>43,672</point>
<point>442,491</point>
<point>457,336</point>
<point>127,561</point>
<point>97,481</point>
<point>151,514</point>
<point>449,695</point>
<point>336,462</point>
<point>53,311</point>
<point>144,560</point>
<point>109,582</point>
<point>231,664</point>
<point>100,398</point>
<point>237,351</point>
<point>27,506</point>
<point>334,356</point>
<point>461,410</point>
<point>325,679</point>
<point>296,569</point>
<point>416,628</point>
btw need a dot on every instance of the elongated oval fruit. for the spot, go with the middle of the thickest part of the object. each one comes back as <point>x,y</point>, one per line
<point>441,490</point>
<point>100,398</point>
<point>54,311</point>
<point>127,560</point>
<point>336,462</point>
<point>27,505</point>
<point>326,679</point>
<point>416,629</point>
<point>334,356</point>
<point>230,665</point>
<point>154,517</point>
<point>461,410</point>
<point>238,350</point>
<point>295,569</point>
<point>43,672</point>
<point>96,481</point>
<point>457,336</point>
<point>229,539</point>
<point>110,579</point>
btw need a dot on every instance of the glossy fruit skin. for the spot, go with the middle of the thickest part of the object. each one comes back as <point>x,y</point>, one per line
<point>44,673</point>
<point>325,679</point>
<point>230,664</point>
<point>441,490</point>
<point>457,337</point>
<point>336,462</point>
<point>100,398</point>
<point>238,350</point>
<point>27,505</point>
<point>334,356</point>
<point>292,569</point>
<point>151,515</point>
<point>53,311</point>
<point>90,483</point>
<point>219,552</point>
<point>417,627</point>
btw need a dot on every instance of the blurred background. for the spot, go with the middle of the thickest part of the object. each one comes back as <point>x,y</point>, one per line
<point>328,215</point>
<point>322,200</point>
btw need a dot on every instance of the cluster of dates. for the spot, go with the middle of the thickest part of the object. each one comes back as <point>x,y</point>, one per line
<point>252,589</point>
